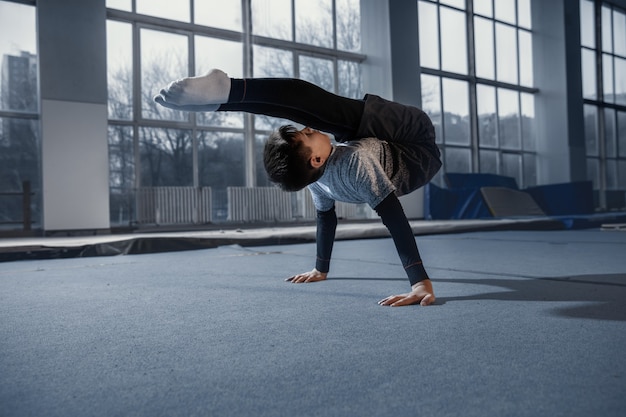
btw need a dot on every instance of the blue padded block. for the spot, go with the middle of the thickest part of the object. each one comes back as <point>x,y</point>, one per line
<point>564,199</point>
<point>462,180</point>
<point>462,203</point>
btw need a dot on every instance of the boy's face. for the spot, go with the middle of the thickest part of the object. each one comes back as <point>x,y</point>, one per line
<point>318,142</point>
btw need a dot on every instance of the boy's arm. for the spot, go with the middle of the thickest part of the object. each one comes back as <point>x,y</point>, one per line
<point>326,227</point>
<point>391,212</point>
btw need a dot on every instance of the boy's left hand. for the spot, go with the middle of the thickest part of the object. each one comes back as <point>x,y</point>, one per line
<point>422,292</point>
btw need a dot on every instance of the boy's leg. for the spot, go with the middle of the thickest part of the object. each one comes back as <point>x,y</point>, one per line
<point>410,135</point>
<point>297,100</point>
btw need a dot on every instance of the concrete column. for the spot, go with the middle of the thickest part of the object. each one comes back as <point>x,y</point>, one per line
<point>73,87</point>
<point>559,104</point>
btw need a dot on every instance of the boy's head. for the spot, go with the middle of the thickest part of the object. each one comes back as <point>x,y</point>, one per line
<point>293,158</point>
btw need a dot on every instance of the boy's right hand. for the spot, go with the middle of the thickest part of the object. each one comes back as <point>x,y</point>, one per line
<point>311,276</point>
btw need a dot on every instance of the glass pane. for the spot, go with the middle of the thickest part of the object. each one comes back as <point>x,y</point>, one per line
<point>458,160</point>
<point>318,71</point>
<point>619,32</point>
<point>166,157</point>
<point>506,54</point>
<point>218,13</point>
<point>484,7</point>
<point>620,81</point>
<point>350,79</point>
<point>164,58</point>
<point>489,161</point>
<point>589,73</point>
<point>528,122</point>
<point>312,22</point>
<point>611,174</point>
<point>220,165</point>
<point>487,126</point>
<point>484,48</point>
<point>431,102</point>
<point>525,58</point>
<point>120,4</point>
<point>621,133</point>
<point>166,9</point>
<point>19,161</point>
<point>523,14</point>
<point>607,29</point>
<point>512,166</point>
<point>262,179</point>
<point>593,172</point>
<point>587,24</point>
<point>459,4</point>
<point>456,112</point>
<point>428,35</point>
<point>121,157</point>
<point>621,174</point>
<point>221,159</point>
<point>607,78</point>
<point>227,56</point>
<point>591,130</point>
<point>120,70</point>
<point>272,18</point>
<point>217,53</point>
<point>508,119</point>
<point>271,62</point>
<point>610,141</point>
<point>18,53</point>
<point>505,10</point>
<point>348,25</point>
<point>121,175</point>
<point>453,41</point>
<point>530,170</point>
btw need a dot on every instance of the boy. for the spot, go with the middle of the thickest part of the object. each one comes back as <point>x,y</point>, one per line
<point>385,150</point>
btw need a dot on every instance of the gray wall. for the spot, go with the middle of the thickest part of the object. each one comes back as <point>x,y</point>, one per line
<point>73,86</point>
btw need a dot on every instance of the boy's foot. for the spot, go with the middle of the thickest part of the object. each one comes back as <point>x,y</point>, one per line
<point>202,93</point>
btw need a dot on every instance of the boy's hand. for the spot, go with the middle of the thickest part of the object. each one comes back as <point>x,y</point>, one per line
<point>311,276</point>
<point>422,292</point>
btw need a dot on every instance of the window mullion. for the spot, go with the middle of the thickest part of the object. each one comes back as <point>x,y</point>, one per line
<point>473,104</point>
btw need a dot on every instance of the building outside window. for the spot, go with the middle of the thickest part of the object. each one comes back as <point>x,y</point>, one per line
<point>477,85</point>
<point>150,43</point>
<point>603,61</point>
<point>19,114</point>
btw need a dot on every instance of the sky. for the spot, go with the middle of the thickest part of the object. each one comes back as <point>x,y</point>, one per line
<point>17,28</point>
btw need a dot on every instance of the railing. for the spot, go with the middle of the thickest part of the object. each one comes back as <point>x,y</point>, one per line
<point>246,204</point>
<point>173,205</point>
<point>26,194</point>
<point>189,205</point>
<point>343,210</point>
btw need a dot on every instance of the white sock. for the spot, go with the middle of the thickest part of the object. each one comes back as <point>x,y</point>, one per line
<point>211,88</point>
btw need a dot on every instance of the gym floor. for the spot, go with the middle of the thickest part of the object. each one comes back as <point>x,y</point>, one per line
<point>526,323</point>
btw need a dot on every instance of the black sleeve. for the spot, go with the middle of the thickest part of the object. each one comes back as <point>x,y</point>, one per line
<point>391,212</point>
<point>326,227</point>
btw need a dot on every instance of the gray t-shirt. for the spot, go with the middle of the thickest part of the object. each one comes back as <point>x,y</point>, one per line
<point>353,174</point>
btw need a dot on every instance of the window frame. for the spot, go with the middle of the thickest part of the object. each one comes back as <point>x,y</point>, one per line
<point>473,81</point>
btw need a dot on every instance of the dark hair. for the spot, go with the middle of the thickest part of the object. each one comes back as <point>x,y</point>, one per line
<point>286,160</point>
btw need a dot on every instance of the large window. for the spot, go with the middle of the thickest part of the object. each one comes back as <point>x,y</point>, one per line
<point>19,113</point>
<point>603,58</point>
<point>477,85</point>
<point>153,42</point>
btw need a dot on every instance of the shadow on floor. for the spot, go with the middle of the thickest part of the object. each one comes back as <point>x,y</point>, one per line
<point>603,295</point>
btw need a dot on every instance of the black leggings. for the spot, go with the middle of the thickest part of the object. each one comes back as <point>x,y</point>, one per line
<point>297,100</point>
